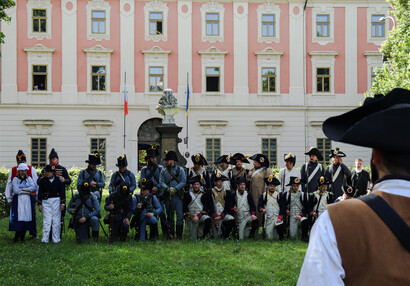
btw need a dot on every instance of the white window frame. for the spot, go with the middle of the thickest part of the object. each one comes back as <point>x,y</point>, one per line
<point>156,6</point>
<point>323,10</point>
<point>99,5</point>
<point>269,58</point>
<point>38,4</point>
<point>323,59</point>
<point>39,55</point>
<point>269,8</point>
<point>213,57</point>
<point>374,59</point>
<point>377,10</point>
<point>99,56</point>
<point>156,57</point>
<point>213,7</point>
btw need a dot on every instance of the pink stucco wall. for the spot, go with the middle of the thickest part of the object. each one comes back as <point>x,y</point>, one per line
<point>24,42</point>
<point>338,46</point>
<point>112,43</point>
<point>281,46</point>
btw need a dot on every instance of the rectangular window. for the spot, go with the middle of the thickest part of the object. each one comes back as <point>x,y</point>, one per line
<point>322,25</point>
<point>377,26</point>
<point>98,144</point>
<point>40,77</point>
<point>269,149</point>
<point>373,76</point>
<point>212,24</point>
<point>98,22</point>
<point>38,152</point>
<point>323,80</point>
<point>324,145</point>
<point>98,78</point>
<point>156,79</point>
<point>213,150</point>
<point>39,21</point>
<point>212,79</point>
<point>268,25</point>
<point>155,23</point>
<point>268,79</point>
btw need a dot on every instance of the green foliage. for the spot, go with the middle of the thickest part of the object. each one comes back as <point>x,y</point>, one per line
<point>396,48</point>
<point>5,4</point>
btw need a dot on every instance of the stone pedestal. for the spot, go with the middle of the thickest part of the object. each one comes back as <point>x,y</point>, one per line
<point>170,140</point>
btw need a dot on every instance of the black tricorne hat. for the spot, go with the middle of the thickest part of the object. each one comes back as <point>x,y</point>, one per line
<point>94,158</point>
<point>199,159</point>
<point>262,159</point>
<point>323,181</point>
<point>271,180</point>
<point>195,179</point>
<point>316,152</point>
<point>240,157</point>
<point>380,123</point>
<point>336,153</point>
<point>219,176</point>
<point>225,159</point>
<point>170,155</point>
<point>21,156</point>
<point>290,157</point>
<point>53,154</point>
<point>49,168</point>
<point>152,151</point>
<point>348,190</point>
<point>294,180</point>
<point>122,161</point>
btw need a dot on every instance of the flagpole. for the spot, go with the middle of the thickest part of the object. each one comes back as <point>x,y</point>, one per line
<point>125,91</point>
<point>187,115</point>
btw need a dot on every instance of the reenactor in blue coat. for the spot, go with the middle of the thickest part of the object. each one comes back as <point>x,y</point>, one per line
<point>92,175</point>
<point>85,209</point>
<point>122,175</point>
<point>312,171</point>
<point>337,173</point>
<point>147,209</point>
<point>120,206</point>
<point>173,181</point>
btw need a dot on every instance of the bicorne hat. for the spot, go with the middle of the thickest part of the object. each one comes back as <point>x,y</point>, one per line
<point>21,156</point>
<point>240,157</point>
<point>316,152</point>
<point>53,154</point>
<point>225,159</point>
<point>323,181</point>
<point>348,190</point>
<point>294,180</point>
<point>336,153</point>
<point>49,168</point>
<point>271,180</point>
<point>219,176</point>
<point>199,159</point>
<point>262,159</point>
<point>290,157</point>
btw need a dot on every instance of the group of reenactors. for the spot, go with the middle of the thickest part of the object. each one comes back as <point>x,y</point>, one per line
<point>229,202</point>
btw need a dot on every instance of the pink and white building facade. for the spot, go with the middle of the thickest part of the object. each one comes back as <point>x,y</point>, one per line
<point>263,75</point>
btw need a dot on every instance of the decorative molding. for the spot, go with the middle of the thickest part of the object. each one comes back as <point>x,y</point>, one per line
<point>213,57</point>
<point>38,126</point>
<point>269,127</point>
<point>212,127</point>
<point>213,7</point>
<point>39,49</point>
<point>39,55</point>
<point>323,53</point>
<point>326,11</point>
<point>156,51</point>
<point>98,5</point>
<point>269,8</point>
<point>187,6</point>
<point>123,6</point>
<point>67,3</point>
<point>212,51</point>
<point>240,10</point>
<point>156,6</point>
<point>156,56</point>
<point>98,127</point>
<point>268,52</point>
<point>38,4</point>
<point>269,58</point>
<point>99,56</point>
<point>323,59</point>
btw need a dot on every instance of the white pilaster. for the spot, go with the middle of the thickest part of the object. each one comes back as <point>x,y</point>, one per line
<point>127,47</point>
<point>296,53</point>
<point>69,51</point>
<point>9,59</point>
<point>184,48</point>
<point>240,47</point>
<point>351,49</point>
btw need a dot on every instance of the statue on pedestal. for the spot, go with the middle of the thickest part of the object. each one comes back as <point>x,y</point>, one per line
<point>168,107</point>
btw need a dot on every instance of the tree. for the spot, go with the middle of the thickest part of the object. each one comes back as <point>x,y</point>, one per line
<point>396,49</point>
<point>5,4</point>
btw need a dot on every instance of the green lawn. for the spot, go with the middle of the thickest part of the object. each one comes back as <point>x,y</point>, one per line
<point>186,262</point>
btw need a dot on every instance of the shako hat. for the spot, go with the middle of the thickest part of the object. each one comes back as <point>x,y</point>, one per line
<point>21,156</point>
<point>53,154</point>
<point>290,157</point>
<point>271,180</point>
<point>240,157</point>
<point>122,161</point>
<point>84,189</point>
<point>262,159</point>
<point>124,188</point>
<point>225,159</point>
<point>380,123</point>
<point>152,151</point>
<point>170,155</point>
<point>336,153</point>
<point>294,180</point>
<point>316,152</point>
<point>94,158</point>
<point>199,159</point>
<point>146,185</point>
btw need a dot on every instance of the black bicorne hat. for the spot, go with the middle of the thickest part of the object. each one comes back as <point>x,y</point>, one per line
<point>348,190</point>
<point>49,168</point>
<point>219,176</point>
<point>290,157</point>
<point>170,155</point>
<point>336,153</point>
<point>380,123</point>
<point>240,157</point>
<point>53,154</point>
<point>241,179</point>
<point>94,158</point>
<point>316,152</point>
<point>323,181</point>
<point>21,156</point>
<point>195,179</point>
<point>294,180</point>
<point>271,180</point>
<point>262,159</point>
<point>225,159</point>
<point>122,161</point>
<point>199,159</point>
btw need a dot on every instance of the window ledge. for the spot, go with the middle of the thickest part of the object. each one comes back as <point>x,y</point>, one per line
<point>323,94</point>
<point>154,93</point>
<point>156,38</point>
<point>213,94</point>
<point>316,123</point>
<point>40,92</point>
<point>218,123</point>
<point>98,93</point>
<point>268,40</point>
<point>268,94</point>
<point>91,122</point>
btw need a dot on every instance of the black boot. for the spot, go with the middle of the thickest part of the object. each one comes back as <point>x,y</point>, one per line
<point>229,225</point>
<point>153,234</point>
<point>254,228</point>
<point>280,229</point>
<point>305,229</point>
<point>207,227</point>
<point>95,236</point>
<point>16,237</point>
<point>179,231</point>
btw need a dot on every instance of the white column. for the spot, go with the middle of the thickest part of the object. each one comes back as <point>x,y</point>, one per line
<point>296,51</point>
<point>127,47</point>
<point>240,48</point>
<point>9,59</point>
<point>351,49</point>
<point>184,48</point>
<point>68,51</point>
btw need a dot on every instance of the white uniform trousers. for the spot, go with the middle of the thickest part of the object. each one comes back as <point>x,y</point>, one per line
<point>217,230</point>
<point>51,217</point>
<point>196,229</point>
<point>270,230</point>
<point>295,230</point>
<point>244,226</point>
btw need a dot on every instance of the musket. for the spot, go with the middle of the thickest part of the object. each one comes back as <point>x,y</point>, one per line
<point>317,208</point>
<point>290,210</point>
<point>265,202</point>
<point>110,226</point>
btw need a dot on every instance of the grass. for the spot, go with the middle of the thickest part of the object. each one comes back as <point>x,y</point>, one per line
<point>187,262</point>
